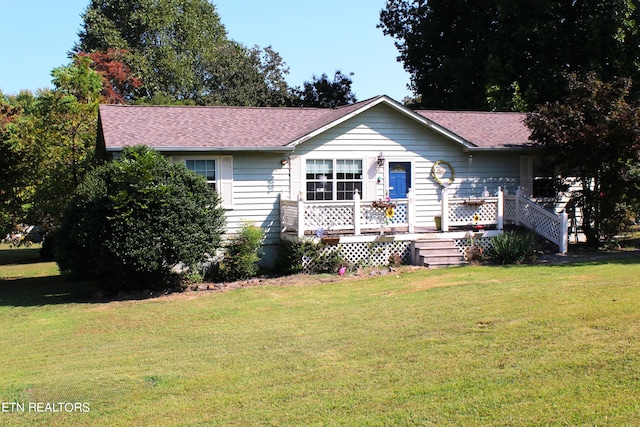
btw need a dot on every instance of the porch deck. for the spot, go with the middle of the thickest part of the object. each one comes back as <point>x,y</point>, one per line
<point>395,220</point>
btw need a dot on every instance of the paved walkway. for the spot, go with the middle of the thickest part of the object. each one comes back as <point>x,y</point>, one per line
<point>571,257</point>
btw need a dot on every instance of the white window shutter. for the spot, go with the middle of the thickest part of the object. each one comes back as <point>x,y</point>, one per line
<point>295,177</point>
<point>370,179</point>
<point>526,175</point>
<point>226,181</point>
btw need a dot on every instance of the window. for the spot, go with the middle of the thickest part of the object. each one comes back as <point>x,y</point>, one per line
<point>543,181</point>
<point>206,168</point>
<point>543,187</point>
<point>218,172</point>
<point>348,178</point>
<point>319,180</point>
<point>323,184</point>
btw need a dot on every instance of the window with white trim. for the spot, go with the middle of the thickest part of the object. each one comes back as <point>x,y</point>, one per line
<point>204,167</point>
<point>218,171</point>
<point>543,185</point>
<point>333,179</point>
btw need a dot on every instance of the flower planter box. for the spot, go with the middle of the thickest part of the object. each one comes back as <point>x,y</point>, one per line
<point>473,202</point>
<point>381,204</point>
<point>330,240</point>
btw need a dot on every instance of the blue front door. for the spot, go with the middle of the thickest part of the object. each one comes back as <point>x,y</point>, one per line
<point>399,179</point>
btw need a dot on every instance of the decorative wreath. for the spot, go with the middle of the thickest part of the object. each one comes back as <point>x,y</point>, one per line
<point>437,175</point>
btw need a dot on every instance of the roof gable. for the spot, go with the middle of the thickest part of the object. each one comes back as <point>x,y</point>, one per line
<point>182,128</point>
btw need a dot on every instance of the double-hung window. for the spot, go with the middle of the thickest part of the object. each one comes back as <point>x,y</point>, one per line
<point>206,168</point>
<point>218,171</point>
<point>320,179</point>
<point>333,179</point>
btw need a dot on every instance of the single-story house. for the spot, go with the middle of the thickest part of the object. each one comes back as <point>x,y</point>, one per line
<point>318,172</point>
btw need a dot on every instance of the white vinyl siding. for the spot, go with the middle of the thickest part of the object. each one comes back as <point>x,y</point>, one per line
<point>401,139</point>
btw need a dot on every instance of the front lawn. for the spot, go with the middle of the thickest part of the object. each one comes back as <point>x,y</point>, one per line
<point>524,345</point>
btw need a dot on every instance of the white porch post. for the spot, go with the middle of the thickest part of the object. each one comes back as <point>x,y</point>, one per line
<point>411,211</point>
<point>445,210</point>
<point>500,208</point>
<point>518,196</point>
<point>300,216</point>
<point>564,232</point>
<point>356,212</point>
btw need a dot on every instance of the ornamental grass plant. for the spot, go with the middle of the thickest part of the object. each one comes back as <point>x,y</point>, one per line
<point>512,247</point>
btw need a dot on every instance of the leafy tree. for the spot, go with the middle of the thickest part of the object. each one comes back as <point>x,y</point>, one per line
<point>180,51</point>
<point>47,144</point>
<point>443,45</point>
<point>134,220</point>
<point>502,54</point>
<point>21,157</point>
<point>118,82</point>
<point>64,133</point>
<point>593,134</point>
<point>321,92</point>
<point>13,168</point>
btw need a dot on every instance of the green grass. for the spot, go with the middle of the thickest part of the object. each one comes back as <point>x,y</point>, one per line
<point>523,345</point>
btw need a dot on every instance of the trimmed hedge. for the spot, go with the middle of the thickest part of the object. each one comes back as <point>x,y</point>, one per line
<point>140,222</point>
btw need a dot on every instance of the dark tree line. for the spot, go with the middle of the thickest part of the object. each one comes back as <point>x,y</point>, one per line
<point>178,52</point>
<point>132,51</point>
<point>572,64</point>
<point>504,54</point>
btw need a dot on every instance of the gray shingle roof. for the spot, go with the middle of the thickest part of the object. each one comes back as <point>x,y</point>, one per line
<point>166,127</point>
<point>483,129</point>
<point>202,128</point>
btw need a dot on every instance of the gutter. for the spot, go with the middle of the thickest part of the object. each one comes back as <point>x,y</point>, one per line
<point>210,149</point>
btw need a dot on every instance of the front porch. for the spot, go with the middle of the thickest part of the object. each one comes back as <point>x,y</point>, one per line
<point>376,230</point>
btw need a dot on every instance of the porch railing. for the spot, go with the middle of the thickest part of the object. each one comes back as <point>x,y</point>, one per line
<point>497,209</point>
<point>357,216</point>
<point>552,227</point>
<point>472,211</point>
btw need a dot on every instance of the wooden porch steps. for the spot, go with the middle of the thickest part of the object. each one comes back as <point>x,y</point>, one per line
<point>435,253</point>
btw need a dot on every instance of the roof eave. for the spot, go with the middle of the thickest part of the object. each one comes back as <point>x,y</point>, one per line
<point>512,148</point>
<point>282,149</point>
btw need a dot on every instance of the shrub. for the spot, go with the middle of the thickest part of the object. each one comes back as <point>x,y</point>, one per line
<point>242,255</point>
<point>295,256</point>
<point>511,247</point>
<point>139,222</point>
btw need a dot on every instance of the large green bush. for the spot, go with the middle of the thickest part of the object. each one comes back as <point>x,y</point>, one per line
<point>139,222</point>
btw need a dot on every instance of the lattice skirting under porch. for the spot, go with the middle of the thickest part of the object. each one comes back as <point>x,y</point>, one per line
<point>363,254</point>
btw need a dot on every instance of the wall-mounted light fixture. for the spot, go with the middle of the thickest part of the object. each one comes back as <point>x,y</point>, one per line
<point>284,161</point>
<point>380,160</point>
<point>470,159</point>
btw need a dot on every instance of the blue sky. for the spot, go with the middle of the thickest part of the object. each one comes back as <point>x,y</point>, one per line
<point>312,38</point>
